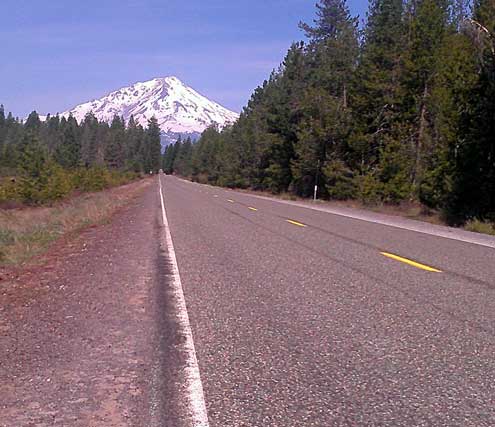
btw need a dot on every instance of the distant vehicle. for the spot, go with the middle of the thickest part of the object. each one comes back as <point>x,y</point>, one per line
<point>160,171</point>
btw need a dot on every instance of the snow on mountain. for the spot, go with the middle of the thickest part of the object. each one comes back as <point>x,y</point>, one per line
<point>178,108</point>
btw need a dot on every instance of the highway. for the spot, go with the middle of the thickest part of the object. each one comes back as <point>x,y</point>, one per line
<point>305,318</point>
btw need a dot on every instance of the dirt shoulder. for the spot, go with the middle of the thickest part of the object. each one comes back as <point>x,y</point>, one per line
<point>78,328</point>
<point>26,232</point>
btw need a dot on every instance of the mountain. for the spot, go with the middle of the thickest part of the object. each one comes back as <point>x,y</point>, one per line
<point>179,109</point>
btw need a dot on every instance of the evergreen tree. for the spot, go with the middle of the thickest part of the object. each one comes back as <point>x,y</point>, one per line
<point>115,146</point>
<point>377,90</point>
<point>473,194</point>
<point>33,122</point>
<point>323,129</point>
<point>3,127</point>
<point>51,133</point>
<point>182,161</point>
<point>135,146</point>
<point>153,146</point>
<point>68,152</point>
<point>91,143</point>
<point>429,25</point>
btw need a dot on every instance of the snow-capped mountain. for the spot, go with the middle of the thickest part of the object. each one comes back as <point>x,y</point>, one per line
<point>178,108</point>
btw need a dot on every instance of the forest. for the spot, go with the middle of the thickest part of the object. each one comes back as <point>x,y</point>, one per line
<point>401,108</point>
<point>44,161</point>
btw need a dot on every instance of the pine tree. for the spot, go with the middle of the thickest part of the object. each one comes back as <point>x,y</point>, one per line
<point>115,146</point>
<point>51,133</point>
<point>33,159</point>
<point>324,109</point>
<point>134,145</point>
<point>182,161</point>
<point>377,97</point>
<point>473,193</point>
<point>91,142</point>
<point>429,24</point>
<point>3,134</point>
<point>3,128</point>
<point>33,122</point>
<point>68,152</point>
<point>333,47</point>
<point>153,146</point>
<point>11,152</point>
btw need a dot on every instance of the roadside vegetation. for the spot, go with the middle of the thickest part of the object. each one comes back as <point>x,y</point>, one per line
<point>45,161</point>
<point>27,231</point>
<point>402,111</point>
<point>58,176</point>
<point>478,226</point>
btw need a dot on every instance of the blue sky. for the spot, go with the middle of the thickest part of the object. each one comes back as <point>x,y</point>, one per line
<point>59,53</point>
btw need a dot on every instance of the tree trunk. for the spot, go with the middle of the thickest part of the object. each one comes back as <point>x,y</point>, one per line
<point>419,140</point>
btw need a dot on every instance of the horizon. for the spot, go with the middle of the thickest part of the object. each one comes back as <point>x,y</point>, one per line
<point>62,58</point>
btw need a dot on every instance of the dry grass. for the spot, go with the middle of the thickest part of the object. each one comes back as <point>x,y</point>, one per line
<point>26,232</point>
<point>478,226</point>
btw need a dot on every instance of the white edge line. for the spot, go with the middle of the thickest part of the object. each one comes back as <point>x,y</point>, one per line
<point>197,404</point>
<point>475,240</point>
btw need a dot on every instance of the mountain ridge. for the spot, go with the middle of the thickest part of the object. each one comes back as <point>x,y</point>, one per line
<point>178,108</point>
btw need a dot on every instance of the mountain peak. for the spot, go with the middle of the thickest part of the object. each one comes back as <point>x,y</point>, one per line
<point>166,80</point>
<point>177,107</point>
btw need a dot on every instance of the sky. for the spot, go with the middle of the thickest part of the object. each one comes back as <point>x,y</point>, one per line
<point>59,53</point>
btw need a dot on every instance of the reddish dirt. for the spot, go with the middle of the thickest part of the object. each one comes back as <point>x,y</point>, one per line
<point>77,329</point>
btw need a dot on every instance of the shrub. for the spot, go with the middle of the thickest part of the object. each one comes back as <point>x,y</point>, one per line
<point>56,184</point>
<point>370,189</point>
<point>53,183</point>
<point>340,181</point>
<point>9,190</point>
<point>479,226</point>
<point>92,179</point>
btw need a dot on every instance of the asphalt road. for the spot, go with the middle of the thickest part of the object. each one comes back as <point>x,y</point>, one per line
<point>306,318</point>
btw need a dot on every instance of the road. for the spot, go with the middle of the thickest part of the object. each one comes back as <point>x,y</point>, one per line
<point>305,318</point>
<point>198,306</point>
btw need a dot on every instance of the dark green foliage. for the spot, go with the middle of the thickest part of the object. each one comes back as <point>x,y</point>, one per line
<point>68,151</point>
<point>406,112</point>
<point>473,193</point>
<point>340,181</point>
<point>114,148</point>
<point>152,147</point>
<point>43,161</point>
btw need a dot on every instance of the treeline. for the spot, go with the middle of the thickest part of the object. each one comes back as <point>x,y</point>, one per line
<point>402,110</point>
<point>43,161</point>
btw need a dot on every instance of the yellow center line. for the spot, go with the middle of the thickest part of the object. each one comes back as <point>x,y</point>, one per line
<point>252,209</point>
<point>231,201</point>
<point>410,262</point>
<point>296,223</point>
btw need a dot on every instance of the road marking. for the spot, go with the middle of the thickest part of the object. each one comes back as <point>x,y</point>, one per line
<point>299,224</point>
<point>231,201</point>
<point>194,386</point>
<point>389,221</point>
<point>252,209</point>
<point>410,262</point>
<point>216,195</point>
